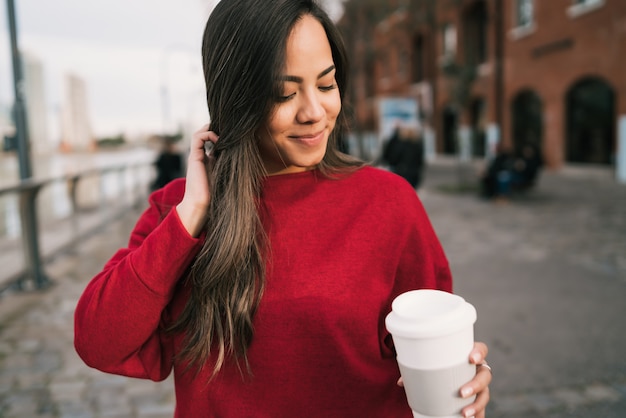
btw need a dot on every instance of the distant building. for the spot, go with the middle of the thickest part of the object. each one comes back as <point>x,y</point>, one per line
<point>36,108</point>
<point>7,128</point>
<point>565,72</point>
<point>547,73</point>
<point>76,132</point>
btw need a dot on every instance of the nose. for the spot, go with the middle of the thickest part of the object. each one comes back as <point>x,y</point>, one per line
<point>311,108</point>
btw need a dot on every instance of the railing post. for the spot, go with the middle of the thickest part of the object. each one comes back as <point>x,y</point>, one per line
<point>72,191</point>
<point>30,239</point>
<point>121,177</point>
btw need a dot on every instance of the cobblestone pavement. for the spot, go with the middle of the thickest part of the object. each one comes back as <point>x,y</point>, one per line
<point>546,272</point>
<point>41,374</point>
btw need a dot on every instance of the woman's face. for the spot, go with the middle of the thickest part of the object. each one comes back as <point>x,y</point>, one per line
<point>294,138</point>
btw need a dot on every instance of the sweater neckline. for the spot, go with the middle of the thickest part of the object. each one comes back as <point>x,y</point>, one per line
<point>291,176</point>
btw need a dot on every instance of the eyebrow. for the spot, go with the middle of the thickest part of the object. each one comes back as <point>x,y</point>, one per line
<point>297,79</point>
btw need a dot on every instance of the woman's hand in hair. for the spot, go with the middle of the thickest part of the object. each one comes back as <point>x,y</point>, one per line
<point>192,210</point>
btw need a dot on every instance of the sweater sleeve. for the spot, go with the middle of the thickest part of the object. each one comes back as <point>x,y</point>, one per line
<point>422,263</point>
<point>117,319</point>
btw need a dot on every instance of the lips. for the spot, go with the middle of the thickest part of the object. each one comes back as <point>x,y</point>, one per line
<point>309,139</point>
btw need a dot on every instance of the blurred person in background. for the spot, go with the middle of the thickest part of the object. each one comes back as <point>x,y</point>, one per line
<point>495,182</point>
<point>404,153</point>
<point>526,168</point>
<point>169,165</point>
<point>260,279</point>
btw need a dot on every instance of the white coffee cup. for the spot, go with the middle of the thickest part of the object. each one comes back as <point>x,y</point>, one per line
<point>433,333</point>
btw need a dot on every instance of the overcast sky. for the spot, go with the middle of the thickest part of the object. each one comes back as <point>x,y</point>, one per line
<point>126,51</point>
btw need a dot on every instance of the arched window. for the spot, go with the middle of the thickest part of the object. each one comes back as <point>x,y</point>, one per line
<point>478,123</point>
<point>590,119</point>
<point>449,128</point>
<point>527,120</point>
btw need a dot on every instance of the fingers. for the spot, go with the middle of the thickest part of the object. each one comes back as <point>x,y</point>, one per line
<point>203,128</point>
<point>204,134</point>
<point>479,353</point>
<point>477,409</point>
<point>192,210</point>
<point>199,140</point>
<point>479,385</point>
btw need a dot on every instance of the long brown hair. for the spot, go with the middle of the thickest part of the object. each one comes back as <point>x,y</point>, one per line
<point>243,54</point>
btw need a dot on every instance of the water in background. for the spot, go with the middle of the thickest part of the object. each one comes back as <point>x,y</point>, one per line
<point>53,201</point>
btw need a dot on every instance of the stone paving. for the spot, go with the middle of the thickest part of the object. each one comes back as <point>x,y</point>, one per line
<point>40,373</point>
<point>546,272</point>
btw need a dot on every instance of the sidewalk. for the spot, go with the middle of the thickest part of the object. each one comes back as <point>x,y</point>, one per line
<point>546,272</point>
<point>40,373</point>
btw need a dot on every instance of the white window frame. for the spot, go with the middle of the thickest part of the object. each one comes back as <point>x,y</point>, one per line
<point>450,41</point>
<point>531,22</point>
<point>580,9</point>
<point>519,31</point>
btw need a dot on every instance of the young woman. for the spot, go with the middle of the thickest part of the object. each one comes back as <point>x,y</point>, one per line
<point>263,279</point>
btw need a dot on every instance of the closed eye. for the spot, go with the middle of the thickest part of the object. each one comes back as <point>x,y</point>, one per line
<point>282,99</point>
<point>328,88</point>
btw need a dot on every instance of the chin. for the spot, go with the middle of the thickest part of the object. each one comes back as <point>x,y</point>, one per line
<point>311,162</point>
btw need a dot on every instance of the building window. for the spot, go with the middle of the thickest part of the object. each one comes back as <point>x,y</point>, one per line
<point>370,77</point>
<point>523,19</point>
<point>384,62</point>
<point>475,24</point>
<point>403,64</point>
<point>524,13</point>
<point>581,7</point>
<point>419,61</point>
<point>449,40</point>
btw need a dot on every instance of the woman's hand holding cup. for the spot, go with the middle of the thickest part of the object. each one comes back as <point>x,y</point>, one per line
<point>479,385</point>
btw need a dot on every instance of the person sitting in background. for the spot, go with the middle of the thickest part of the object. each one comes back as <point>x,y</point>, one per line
<point>526,168</point>
<point>496,180</point>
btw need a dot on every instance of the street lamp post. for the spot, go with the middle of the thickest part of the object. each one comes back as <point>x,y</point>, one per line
<point>19,108</point>
<point>28,195</point>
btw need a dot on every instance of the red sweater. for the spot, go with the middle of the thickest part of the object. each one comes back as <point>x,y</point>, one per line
<point>341,251</point>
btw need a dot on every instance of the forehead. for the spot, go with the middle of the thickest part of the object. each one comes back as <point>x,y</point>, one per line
<point>308,44</point>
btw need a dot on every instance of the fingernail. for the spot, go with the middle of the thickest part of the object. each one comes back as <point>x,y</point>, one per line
<point>466,392</point>
<point>469,413</point>
<point>476,357</point>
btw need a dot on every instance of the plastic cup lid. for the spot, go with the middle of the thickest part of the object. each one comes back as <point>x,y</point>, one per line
<point>428,313</point>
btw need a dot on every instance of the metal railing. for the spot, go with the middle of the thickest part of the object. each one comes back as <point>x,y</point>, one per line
<point>95,197</point>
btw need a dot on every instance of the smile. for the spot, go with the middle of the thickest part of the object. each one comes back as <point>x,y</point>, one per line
<point>309,140</point>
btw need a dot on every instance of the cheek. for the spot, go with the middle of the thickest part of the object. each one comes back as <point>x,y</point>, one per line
<point>334,107</point>
<point>281,119</point>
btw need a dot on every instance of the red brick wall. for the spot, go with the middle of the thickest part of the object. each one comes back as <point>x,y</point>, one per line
<point>560,51</point>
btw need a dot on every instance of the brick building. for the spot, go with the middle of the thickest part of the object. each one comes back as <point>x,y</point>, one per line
<point>547,73</point>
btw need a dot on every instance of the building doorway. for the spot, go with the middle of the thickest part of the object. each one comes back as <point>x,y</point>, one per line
<point>527,121</point>
<point>449,130</point>
<point>478,126</point>
<point>590,119</point>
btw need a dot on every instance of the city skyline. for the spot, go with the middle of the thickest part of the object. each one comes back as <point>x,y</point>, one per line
<point>125,54</point>
<point>140,61</point>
